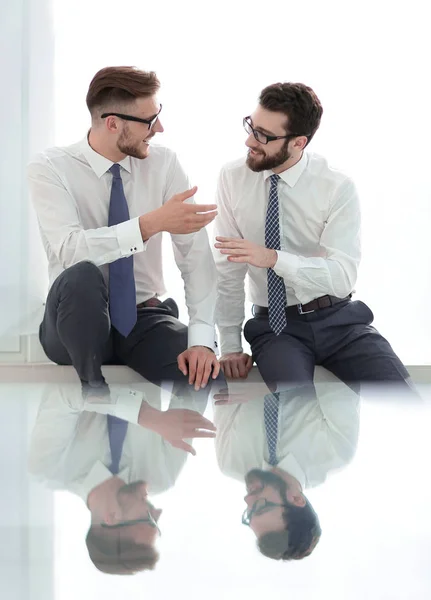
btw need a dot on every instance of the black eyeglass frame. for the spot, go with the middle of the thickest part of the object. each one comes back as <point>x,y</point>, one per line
<point>150,520</point>
<point>269,138</point>
<point>150,122</point>
<point>255,509</point>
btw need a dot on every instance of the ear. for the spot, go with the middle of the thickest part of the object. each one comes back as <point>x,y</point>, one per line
<point>300,142</point>
<point>111,124</point>
<point>296,498</point>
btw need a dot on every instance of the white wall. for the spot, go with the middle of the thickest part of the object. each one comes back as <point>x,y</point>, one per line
<point>27,109</point>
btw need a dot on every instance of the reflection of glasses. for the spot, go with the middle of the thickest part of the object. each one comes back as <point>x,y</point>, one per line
<point>150,520</point>
<point>260,507</point>
<point>150,122</point>
<point>262,138</point>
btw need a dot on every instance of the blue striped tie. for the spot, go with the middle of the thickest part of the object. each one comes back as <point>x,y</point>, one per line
<point>276,289</point>
<point>270,412</point>
<point>122,289</point>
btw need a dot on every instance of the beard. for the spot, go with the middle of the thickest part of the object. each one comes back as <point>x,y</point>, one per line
<point>130,148</point>
<point>263,162</point>
<point>267,478</point>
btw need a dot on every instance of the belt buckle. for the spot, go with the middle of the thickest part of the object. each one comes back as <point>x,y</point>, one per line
<point>303,312</point>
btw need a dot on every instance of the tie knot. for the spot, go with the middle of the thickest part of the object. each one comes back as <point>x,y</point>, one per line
<point>115,170</point>
<point>274,179</point>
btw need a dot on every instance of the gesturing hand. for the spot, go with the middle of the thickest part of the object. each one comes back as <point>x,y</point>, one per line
<point>177,216</point>
<point>243,251</point>
<point>236,364</point>
<point>177,424</point>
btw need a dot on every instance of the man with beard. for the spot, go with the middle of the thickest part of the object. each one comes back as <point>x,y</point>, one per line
<point>292,223</point>
<point>281,517</point>
<point>102,205</point>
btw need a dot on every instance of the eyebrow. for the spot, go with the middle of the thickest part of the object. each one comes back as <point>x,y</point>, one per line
<point>262,129</point>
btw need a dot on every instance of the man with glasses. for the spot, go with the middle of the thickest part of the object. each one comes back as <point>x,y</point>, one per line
<point>292,223</point>
<point>102,205</point>
<point>112,453</point>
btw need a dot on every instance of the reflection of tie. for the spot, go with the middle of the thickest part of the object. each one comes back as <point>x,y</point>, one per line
<point>270,413</point>
<point>276,289</point>
<point>122,290</point>
<point>117,429</point>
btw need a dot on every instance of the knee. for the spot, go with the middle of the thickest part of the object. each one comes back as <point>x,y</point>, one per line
<point>85,279</point>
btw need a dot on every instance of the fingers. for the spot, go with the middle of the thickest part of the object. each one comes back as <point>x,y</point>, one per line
<point>216,368</point>
<point>206,372</point>
<point>235,369</point>
<point>249,363</point>
<point>193,361</point>
<point>201,434</point>
<point>203,423</point>
<point>182,364</point>
<point>201,208</point>
<point>226,368</point>
<point>185,446</point>
<point>186,195</point>
<point>200,372</point>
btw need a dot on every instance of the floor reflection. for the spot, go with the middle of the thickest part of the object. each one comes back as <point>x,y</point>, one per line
<point>317,490</point>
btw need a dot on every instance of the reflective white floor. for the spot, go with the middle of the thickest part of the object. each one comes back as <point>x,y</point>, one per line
<point>374,513</point>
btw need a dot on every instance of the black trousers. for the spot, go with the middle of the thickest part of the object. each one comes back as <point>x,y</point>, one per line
<point>339,338</point>
<point>76,330</point>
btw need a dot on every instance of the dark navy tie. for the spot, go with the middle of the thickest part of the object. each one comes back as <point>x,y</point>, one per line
<point>122,289</point>
<point>276,289</point>
<point>117,429</point>
<point>271,408</point>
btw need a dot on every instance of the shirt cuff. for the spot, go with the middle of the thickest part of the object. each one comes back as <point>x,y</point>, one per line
<point>202,335</point>
<point>230,339</point>
<point>130,238</point>
<point>126,405</point>
<point>287,266</point>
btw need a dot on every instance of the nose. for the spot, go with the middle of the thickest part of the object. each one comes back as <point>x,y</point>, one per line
<point>251,141</point>
<point>156,514</point>
<point>158,127</point>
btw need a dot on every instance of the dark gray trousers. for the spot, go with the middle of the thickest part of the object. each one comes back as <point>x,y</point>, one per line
<point>76,330</point>
<point>339,338</point>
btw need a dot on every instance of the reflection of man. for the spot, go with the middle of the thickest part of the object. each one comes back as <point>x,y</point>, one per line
<point>111,451</point>
<point>282,445</point>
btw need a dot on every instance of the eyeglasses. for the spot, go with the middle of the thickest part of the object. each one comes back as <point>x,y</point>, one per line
<point>260,507</point>
<point>150,122</point>
<point>262,138</point>
<point>150,520</point>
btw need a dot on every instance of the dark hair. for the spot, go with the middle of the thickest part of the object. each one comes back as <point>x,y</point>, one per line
<point>298,539</point>
<point>298,102</point>
<point>118,85</point>
<point>117,555</point>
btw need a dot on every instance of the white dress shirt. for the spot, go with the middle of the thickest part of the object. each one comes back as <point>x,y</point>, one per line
<point>315,436</point>
<point>319,234</point>
<point>69,447</point>
<point>70,188</point>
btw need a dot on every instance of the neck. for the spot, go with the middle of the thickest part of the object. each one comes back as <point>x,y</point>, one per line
<point>99,144</point>
<point>288,478</point>
<point>291,162</point>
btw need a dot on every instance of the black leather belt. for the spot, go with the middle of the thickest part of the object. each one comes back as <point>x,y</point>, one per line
<point>303,309</point>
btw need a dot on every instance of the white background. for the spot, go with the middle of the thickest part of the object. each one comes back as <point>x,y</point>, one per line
<point>367,61</point>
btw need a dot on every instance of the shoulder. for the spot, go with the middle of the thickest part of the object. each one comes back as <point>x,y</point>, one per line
<point>55,157</point>
<point>319,167</point>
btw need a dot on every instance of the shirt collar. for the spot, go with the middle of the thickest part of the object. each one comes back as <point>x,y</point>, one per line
<point>98,475</point>
<point>291,176</point>
<point>291,466</point>
<point>99,163</point>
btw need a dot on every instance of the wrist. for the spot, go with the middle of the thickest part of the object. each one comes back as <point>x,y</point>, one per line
<point>149,224</point>
<point>148,416</point>
<point>272,258</point>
